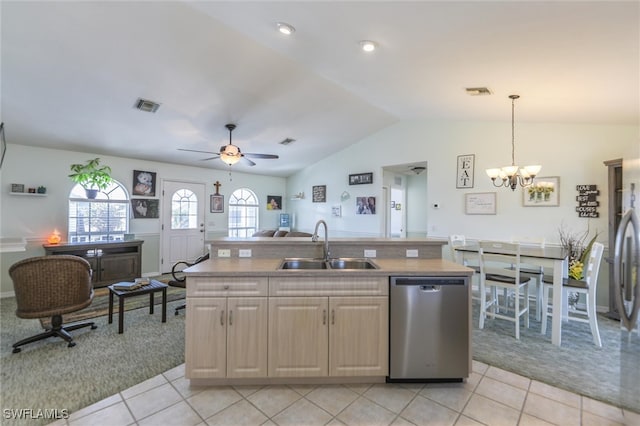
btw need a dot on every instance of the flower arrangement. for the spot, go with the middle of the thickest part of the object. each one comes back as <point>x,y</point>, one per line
<point>578,247</point>
<point>540,191</point>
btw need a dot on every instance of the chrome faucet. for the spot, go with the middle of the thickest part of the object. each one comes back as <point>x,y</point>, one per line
<point>314,238</point>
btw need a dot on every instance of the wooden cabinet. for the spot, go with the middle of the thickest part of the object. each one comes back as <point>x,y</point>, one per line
<point>226,336</point>
<point>111,262</point>
<point>328,336</point>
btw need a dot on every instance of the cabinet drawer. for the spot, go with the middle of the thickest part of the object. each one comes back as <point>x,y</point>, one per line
<point>226,286</point>
<point>329,286</point>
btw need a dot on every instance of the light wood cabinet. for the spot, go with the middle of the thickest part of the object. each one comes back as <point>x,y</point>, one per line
<point>334,336</point>
<point>358,336</point>
<point>226,336</point>
<point>298,336</point>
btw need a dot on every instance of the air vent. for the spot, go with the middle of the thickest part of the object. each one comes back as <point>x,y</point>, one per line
<point>287,141</point>
<point>147,105</point>
<point>478,91</point>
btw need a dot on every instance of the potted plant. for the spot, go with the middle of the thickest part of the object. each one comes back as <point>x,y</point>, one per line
<point>91,176</point>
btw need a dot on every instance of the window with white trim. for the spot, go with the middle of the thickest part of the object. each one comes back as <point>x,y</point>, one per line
<point>184,210</point>
<point>105,218</point>
<point>243,213</point>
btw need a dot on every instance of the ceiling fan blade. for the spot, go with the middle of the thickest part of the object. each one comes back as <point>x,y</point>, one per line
<point>251,163</point>
<point>210,158</point>
<point>195,150</point>
<point>265,156</point>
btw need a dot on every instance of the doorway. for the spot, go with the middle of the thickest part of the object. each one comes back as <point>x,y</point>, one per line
<point>182,233</point>
<point>405,190</point>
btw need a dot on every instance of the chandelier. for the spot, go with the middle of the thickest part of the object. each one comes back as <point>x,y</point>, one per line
<point>512,176</point>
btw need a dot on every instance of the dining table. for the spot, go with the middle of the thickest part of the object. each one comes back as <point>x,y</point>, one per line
<point>555,257</point>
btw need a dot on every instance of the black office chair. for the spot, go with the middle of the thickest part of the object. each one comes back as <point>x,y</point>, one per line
<point>182,281</point>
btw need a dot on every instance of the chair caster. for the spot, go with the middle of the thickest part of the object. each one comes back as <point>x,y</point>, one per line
<point>16,350</point>
<point>93,327</point>
<point>71,344</point>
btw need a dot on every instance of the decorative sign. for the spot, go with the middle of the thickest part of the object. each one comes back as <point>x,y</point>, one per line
<point>361,178</point>
<point>587,201</point>
<point>464,178</point>
<point>480,203</point>
<point>319,194</point>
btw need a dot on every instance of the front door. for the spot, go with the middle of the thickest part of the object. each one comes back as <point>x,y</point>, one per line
<point>182,235</point>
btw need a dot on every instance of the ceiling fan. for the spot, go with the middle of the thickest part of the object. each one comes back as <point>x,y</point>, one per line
<point>230,153</point>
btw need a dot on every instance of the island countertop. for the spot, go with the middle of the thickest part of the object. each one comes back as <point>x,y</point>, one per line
<point>228,267</point>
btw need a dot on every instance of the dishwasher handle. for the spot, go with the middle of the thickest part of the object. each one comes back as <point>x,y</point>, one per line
<point>430,288</point>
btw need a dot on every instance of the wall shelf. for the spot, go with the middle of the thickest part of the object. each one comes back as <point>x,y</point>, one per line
<point>31,194</point>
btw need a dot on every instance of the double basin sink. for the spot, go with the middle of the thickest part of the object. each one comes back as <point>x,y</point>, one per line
<point>338,263</point>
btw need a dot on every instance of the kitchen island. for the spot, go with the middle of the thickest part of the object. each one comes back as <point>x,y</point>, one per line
<point>250,322</point>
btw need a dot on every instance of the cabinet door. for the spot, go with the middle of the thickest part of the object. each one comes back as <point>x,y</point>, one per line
<point>246,337</point>
<point>205,338</point>
<point>119,267</point>
<point>358,336</point>
<point>298,336</point>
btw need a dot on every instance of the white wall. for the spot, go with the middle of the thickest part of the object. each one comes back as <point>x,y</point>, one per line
<point>574,152</point>
<point>34,218</point>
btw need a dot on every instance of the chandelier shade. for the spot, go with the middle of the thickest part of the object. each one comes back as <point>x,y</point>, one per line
<point>512,176</point>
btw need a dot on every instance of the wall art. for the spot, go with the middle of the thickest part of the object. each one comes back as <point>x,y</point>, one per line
<point>216,204</point>
<point>144,208</point>
<point>361,178</point>
<point>319,194</point>
<point>480,203</point>
<point>543,192</point>
<point>365,205</point>
<point>274,202</point>
<point>464,176</point>
<point>144,183</point>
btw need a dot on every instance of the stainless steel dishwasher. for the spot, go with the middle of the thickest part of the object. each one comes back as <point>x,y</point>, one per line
<point>429,329</point>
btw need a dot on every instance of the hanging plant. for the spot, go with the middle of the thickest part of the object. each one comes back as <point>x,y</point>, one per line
<point>91,176</point>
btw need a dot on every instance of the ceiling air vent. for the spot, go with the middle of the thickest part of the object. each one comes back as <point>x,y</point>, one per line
<point>287,141</point>
<point>478,91</point>
<point>146,105</point>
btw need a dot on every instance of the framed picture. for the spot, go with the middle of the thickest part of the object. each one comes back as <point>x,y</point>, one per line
<point>144,183</point>
<point>464,176</point>
<point>319,193</point>
<point>365,205</point>
<point>544,192</point>
<point>217,204</point>
<point>143,208</point>
<point>336,211</point>
<point>480,203</point>
<point>360,178</point>
<point>274,202</point>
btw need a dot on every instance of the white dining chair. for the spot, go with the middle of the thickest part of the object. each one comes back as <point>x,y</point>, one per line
<point>495,273</point>
<point>534,272</point>
<point>587,287</point>
<point>457,240</point>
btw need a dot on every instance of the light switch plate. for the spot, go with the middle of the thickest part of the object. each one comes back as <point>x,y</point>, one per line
<point>369,253</point>
<point>244,253</point>
<point>224,253</point>
<point>412,253</point>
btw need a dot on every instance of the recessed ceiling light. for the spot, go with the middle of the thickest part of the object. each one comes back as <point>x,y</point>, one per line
<point>368,45</point>
<point>146,105</point>
<point>285,28</point>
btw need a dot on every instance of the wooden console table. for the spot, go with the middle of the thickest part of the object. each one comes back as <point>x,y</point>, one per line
<point>111,262</point>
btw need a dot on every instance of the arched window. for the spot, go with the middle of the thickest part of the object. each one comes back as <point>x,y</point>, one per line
<point>105,218</point>
<point>243,213</point>
<point>184,209</point>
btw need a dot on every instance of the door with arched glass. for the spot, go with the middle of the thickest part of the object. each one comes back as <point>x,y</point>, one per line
<point>182,223</point>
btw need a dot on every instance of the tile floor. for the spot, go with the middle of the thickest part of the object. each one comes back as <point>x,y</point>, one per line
<point>490,396</point>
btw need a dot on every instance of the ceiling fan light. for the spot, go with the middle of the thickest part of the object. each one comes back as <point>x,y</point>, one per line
<point>229,158</point>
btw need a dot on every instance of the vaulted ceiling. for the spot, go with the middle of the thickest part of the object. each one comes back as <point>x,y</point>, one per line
<point>72,72</point>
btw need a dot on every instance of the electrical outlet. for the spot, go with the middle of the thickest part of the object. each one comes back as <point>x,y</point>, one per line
<point>244,253</point>
<point>224,253</point>
<point>412,253</point>
<point>369,253</point>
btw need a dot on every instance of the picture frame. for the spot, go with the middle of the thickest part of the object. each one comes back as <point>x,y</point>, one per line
<point>366,205</point>
<point>319,194</point>
<point>361,178</point>
<point>216,203</point>
<point>144,183</point>
<point>465,171</point>
<point>274,202</point>
<point>543,192</point>
<point>145,208</point>
<point>480,203</point>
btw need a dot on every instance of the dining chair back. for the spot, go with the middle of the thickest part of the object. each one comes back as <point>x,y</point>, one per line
<point>535,272</point>
<point>496,259</point>
<point>587,287</point>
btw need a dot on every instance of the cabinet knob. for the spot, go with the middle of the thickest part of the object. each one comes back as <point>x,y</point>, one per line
<point>226,287</point>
